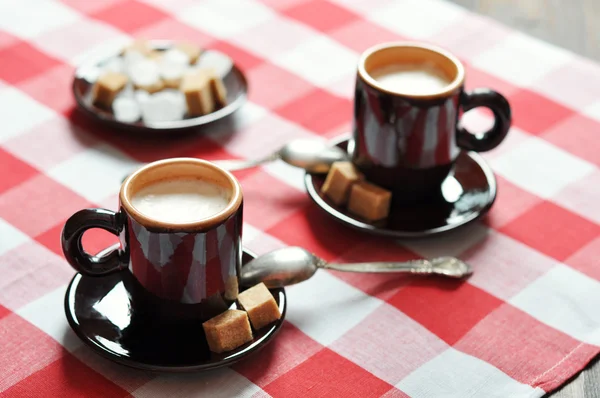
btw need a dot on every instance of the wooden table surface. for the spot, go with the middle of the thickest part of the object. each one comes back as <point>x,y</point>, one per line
<point>575,25</point>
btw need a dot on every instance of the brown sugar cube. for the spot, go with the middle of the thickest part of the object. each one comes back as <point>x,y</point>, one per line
<point>260,305</point>
<point>193,51</point>
<point>339,180</point>
<point>231,288</point>
<point>172,83</point>
<point>155,87</point>
<point>198,94</point>
<point>369,201</point>
<point>227,331</point>
<point>106,88</point>
<point>218,90</point>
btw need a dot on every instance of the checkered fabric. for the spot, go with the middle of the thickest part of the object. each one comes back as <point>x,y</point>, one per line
<point>523,324</point>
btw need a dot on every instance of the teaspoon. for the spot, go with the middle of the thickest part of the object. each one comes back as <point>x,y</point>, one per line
<point>292,265</point>
<point>310,155</point>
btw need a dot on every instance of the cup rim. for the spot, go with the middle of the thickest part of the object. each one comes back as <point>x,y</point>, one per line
<point>194,226</point>
<point>454,85</point>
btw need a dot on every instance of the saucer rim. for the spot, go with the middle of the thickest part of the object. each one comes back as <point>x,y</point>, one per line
<point>120,359</point>
<point>164,127</point>
<point>356,224</point>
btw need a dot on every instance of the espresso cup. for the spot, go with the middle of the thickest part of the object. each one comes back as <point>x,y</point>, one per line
<point>186,263</point>
<point>407,106</point>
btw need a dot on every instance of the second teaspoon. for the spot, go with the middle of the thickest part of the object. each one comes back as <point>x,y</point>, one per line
<point>292,265</point>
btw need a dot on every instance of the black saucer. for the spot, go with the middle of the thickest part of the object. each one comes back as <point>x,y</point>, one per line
<point>466,195</point>
<point>100,311</point>
<point>235,83</point>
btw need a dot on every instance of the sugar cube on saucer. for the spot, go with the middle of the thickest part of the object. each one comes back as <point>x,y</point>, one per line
<point>339,180</point>
<point>140,46</point>
<point>196,86</point>
<point>227,331</point>
<point>145,75</point>
<point>191,50</point>
<point>369,201</point>
<point>218,89</point>
<point>107,87</point>
<point>260,305</point>
<point>126,110</point>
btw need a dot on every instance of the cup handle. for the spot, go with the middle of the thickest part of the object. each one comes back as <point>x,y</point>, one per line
<point>72,232</point>
<point>502,117</point>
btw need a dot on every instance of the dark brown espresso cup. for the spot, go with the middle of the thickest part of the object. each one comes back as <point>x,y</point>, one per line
<point>179,266</point>
<point>407,135</point>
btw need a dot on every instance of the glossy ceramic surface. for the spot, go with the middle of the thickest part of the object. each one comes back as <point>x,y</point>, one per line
<point>466,194</point>
<point>408,143</point>
<point>235,83</point>
<point>113,317</point>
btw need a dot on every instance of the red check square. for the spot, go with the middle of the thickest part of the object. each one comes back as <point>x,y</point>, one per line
<point>525,348</point>
<point>4,312</point>
<point>552,230</point>
<point>52,88</point>
<point>321,15</point>
<point>586,259</point>
<point>242,58</point>
<point>449,309</point>
<point>535,113</point>
<point>578,135</point>
<point>39,204</point>
<point>7,40</point>
<point>66,377</point>
<point>328,374</point>
<point>290,349</point>
<point>121,15</point>
<point>314,231</point>
<point>511,202</point>
<point>354,35</point>
<point>318,111</point>
<point>22,61</point>
<point>19,171</point>
<point>278,87</point>
<point>477,78</point>
<point>25,350</point>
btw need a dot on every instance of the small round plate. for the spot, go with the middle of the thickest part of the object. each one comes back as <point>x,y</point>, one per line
<point>100,311</point>
<point>467,194</point>
<point>86,74</point>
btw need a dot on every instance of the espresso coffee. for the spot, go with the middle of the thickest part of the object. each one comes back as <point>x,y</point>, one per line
<point>181,201</point>
<point>412,79</point>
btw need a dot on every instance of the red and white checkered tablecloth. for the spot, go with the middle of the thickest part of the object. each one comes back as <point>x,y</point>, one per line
<point>524,323</point>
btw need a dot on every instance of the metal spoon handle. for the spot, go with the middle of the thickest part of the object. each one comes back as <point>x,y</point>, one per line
<point>412,266</point>
<point>234,165</point>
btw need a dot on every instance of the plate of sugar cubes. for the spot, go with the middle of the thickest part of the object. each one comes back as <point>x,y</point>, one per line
<point>159,86</point>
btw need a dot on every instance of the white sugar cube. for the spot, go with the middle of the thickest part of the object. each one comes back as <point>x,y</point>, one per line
<point>126,110</point>
<point>127,92</point>
<point>176,57</point>
<point>130,58</point>
<point>141,96</point>
<point>162,107</point>
<point>115,64</point>
<point>144,73</point>
<point>216,61</point>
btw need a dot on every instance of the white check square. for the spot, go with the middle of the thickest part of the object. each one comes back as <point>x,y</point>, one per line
<point>540,167</point>
<point>10,237</point>
<point>24,114</point>
<point>522,59</point>
<point>94,173</point>
<point>293,176</point>
<point>30,18</point>
<point>412,19</point>
<point>340,307</point>
<point>565,299</point>
<point>454,374</point>
<point>226,18</point>
<point>209,384</point>
<point>48,314</point>
<point>450,244</point>
<point>319,60</point>
<point>593,110</point>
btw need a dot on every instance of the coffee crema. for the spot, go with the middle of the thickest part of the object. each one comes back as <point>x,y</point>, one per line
<point>419,79</point>
<point>181,201</point>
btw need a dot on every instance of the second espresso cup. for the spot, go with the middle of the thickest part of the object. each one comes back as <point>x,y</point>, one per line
<point>179,226</point>
<point>406,130</point>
